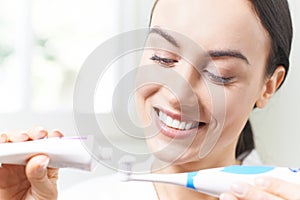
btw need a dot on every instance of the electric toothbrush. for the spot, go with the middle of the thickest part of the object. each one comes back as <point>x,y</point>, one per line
<point>216,181</point>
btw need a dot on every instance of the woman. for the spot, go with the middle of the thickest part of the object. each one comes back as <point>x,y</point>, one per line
<point>249,45</point>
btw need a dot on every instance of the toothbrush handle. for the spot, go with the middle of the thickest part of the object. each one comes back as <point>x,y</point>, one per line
<point>219,180</point>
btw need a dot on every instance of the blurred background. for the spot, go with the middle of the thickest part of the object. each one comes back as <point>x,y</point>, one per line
<point>43,44</point>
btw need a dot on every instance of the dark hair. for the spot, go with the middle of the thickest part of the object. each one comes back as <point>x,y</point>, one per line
<point>275,17</point>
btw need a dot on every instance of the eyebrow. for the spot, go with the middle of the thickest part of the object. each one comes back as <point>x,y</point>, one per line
<point>165,35</point>
<point>228,53</point>
<point>212,53</point>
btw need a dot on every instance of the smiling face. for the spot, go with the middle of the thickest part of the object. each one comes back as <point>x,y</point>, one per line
<point>220,49</point>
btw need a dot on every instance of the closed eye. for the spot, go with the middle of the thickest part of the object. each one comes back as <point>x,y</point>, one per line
<point>218,79</point>
<point>166,62</point>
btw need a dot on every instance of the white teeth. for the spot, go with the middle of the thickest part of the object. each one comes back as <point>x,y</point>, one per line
<point>169,121</point>
<point>160,115</point>
<point>188,126</point>
<point>182,125</point>
<point>174,123</point>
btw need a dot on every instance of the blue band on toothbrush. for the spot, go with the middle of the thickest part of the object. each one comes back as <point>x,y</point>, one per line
<point>237,169</point>
<point>190,180</point>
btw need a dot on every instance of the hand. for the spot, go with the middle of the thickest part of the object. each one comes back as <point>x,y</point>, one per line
<point>33,181</point>
<point>266,188</point>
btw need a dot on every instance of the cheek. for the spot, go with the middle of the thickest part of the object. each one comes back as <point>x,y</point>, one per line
<point>238,111</point>
<point>242,98</point>
<point>143,98</point>
<point>239,106</point>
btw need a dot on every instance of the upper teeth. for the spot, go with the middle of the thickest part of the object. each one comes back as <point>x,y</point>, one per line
<point>174,123</point>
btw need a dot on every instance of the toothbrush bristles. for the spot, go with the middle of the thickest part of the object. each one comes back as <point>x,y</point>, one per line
<point>125,167</point>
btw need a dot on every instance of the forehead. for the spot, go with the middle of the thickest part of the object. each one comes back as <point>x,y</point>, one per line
<point>215,24</point>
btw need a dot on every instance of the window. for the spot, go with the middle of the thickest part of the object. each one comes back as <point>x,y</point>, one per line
<point>43,44</point>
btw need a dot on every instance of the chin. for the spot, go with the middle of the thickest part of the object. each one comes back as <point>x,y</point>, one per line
<point>173,152</point>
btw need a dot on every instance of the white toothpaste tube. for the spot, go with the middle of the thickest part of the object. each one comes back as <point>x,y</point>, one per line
<point>63,152</point>
<point>218,180</point>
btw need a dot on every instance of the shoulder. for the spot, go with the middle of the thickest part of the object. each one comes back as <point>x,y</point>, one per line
<point>109,188</point>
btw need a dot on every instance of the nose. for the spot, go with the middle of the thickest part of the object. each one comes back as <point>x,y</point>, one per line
<point>185,88</point>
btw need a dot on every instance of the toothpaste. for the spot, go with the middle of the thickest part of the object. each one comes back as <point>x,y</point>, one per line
<point>64,152</point>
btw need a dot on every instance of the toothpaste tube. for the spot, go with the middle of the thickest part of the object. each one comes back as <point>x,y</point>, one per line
<point>64,152</point>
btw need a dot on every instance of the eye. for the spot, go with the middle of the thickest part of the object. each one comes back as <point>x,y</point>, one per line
<point>221,80</point>
<point>166,62</point>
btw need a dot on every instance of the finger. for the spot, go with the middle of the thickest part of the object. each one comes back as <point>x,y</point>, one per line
<point>247,192</point>
<point>37,174</point>
<point>55,133</point>
<point>279,187</point>
<point>17,137</point>
<point>226,196</point>
<point>37,132</point>
<point>3,138</point>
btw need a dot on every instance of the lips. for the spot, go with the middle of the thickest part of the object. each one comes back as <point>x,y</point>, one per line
<point>174,125</point>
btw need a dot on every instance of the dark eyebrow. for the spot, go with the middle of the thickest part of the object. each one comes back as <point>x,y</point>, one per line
<point>165,35</point>
<point>213,54</point>
<point>228,53</point>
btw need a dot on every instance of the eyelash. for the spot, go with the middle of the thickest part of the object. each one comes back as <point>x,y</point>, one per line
<point>168,62</point>
<point>218,79</point>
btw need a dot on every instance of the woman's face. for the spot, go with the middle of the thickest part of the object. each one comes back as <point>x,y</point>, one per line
<point>231,34</point>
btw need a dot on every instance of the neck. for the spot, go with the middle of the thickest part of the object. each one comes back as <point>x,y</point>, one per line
<point>174,192</point>
<point>223,157</point>
<point>167,191</point>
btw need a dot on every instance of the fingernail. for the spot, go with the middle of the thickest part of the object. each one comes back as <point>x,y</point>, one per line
<point>239,189</point>
<point>43,162</point>
<point>23,136</point>
<point>56,133</point>
<point>40,132</point>
<point>226,197</point>
<point>261,182</point>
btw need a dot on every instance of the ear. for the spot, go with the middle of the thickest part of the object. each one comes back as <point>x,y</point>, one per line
<point>270,86</point>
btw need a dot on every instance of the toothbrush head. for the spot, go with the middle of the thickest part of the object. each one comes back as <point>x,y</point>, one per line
<point>124,177</point>
<point>125,168</point>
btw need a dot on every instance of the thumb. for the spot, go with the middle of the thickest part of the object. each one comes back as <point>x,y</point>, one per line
<point>37,174</point>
